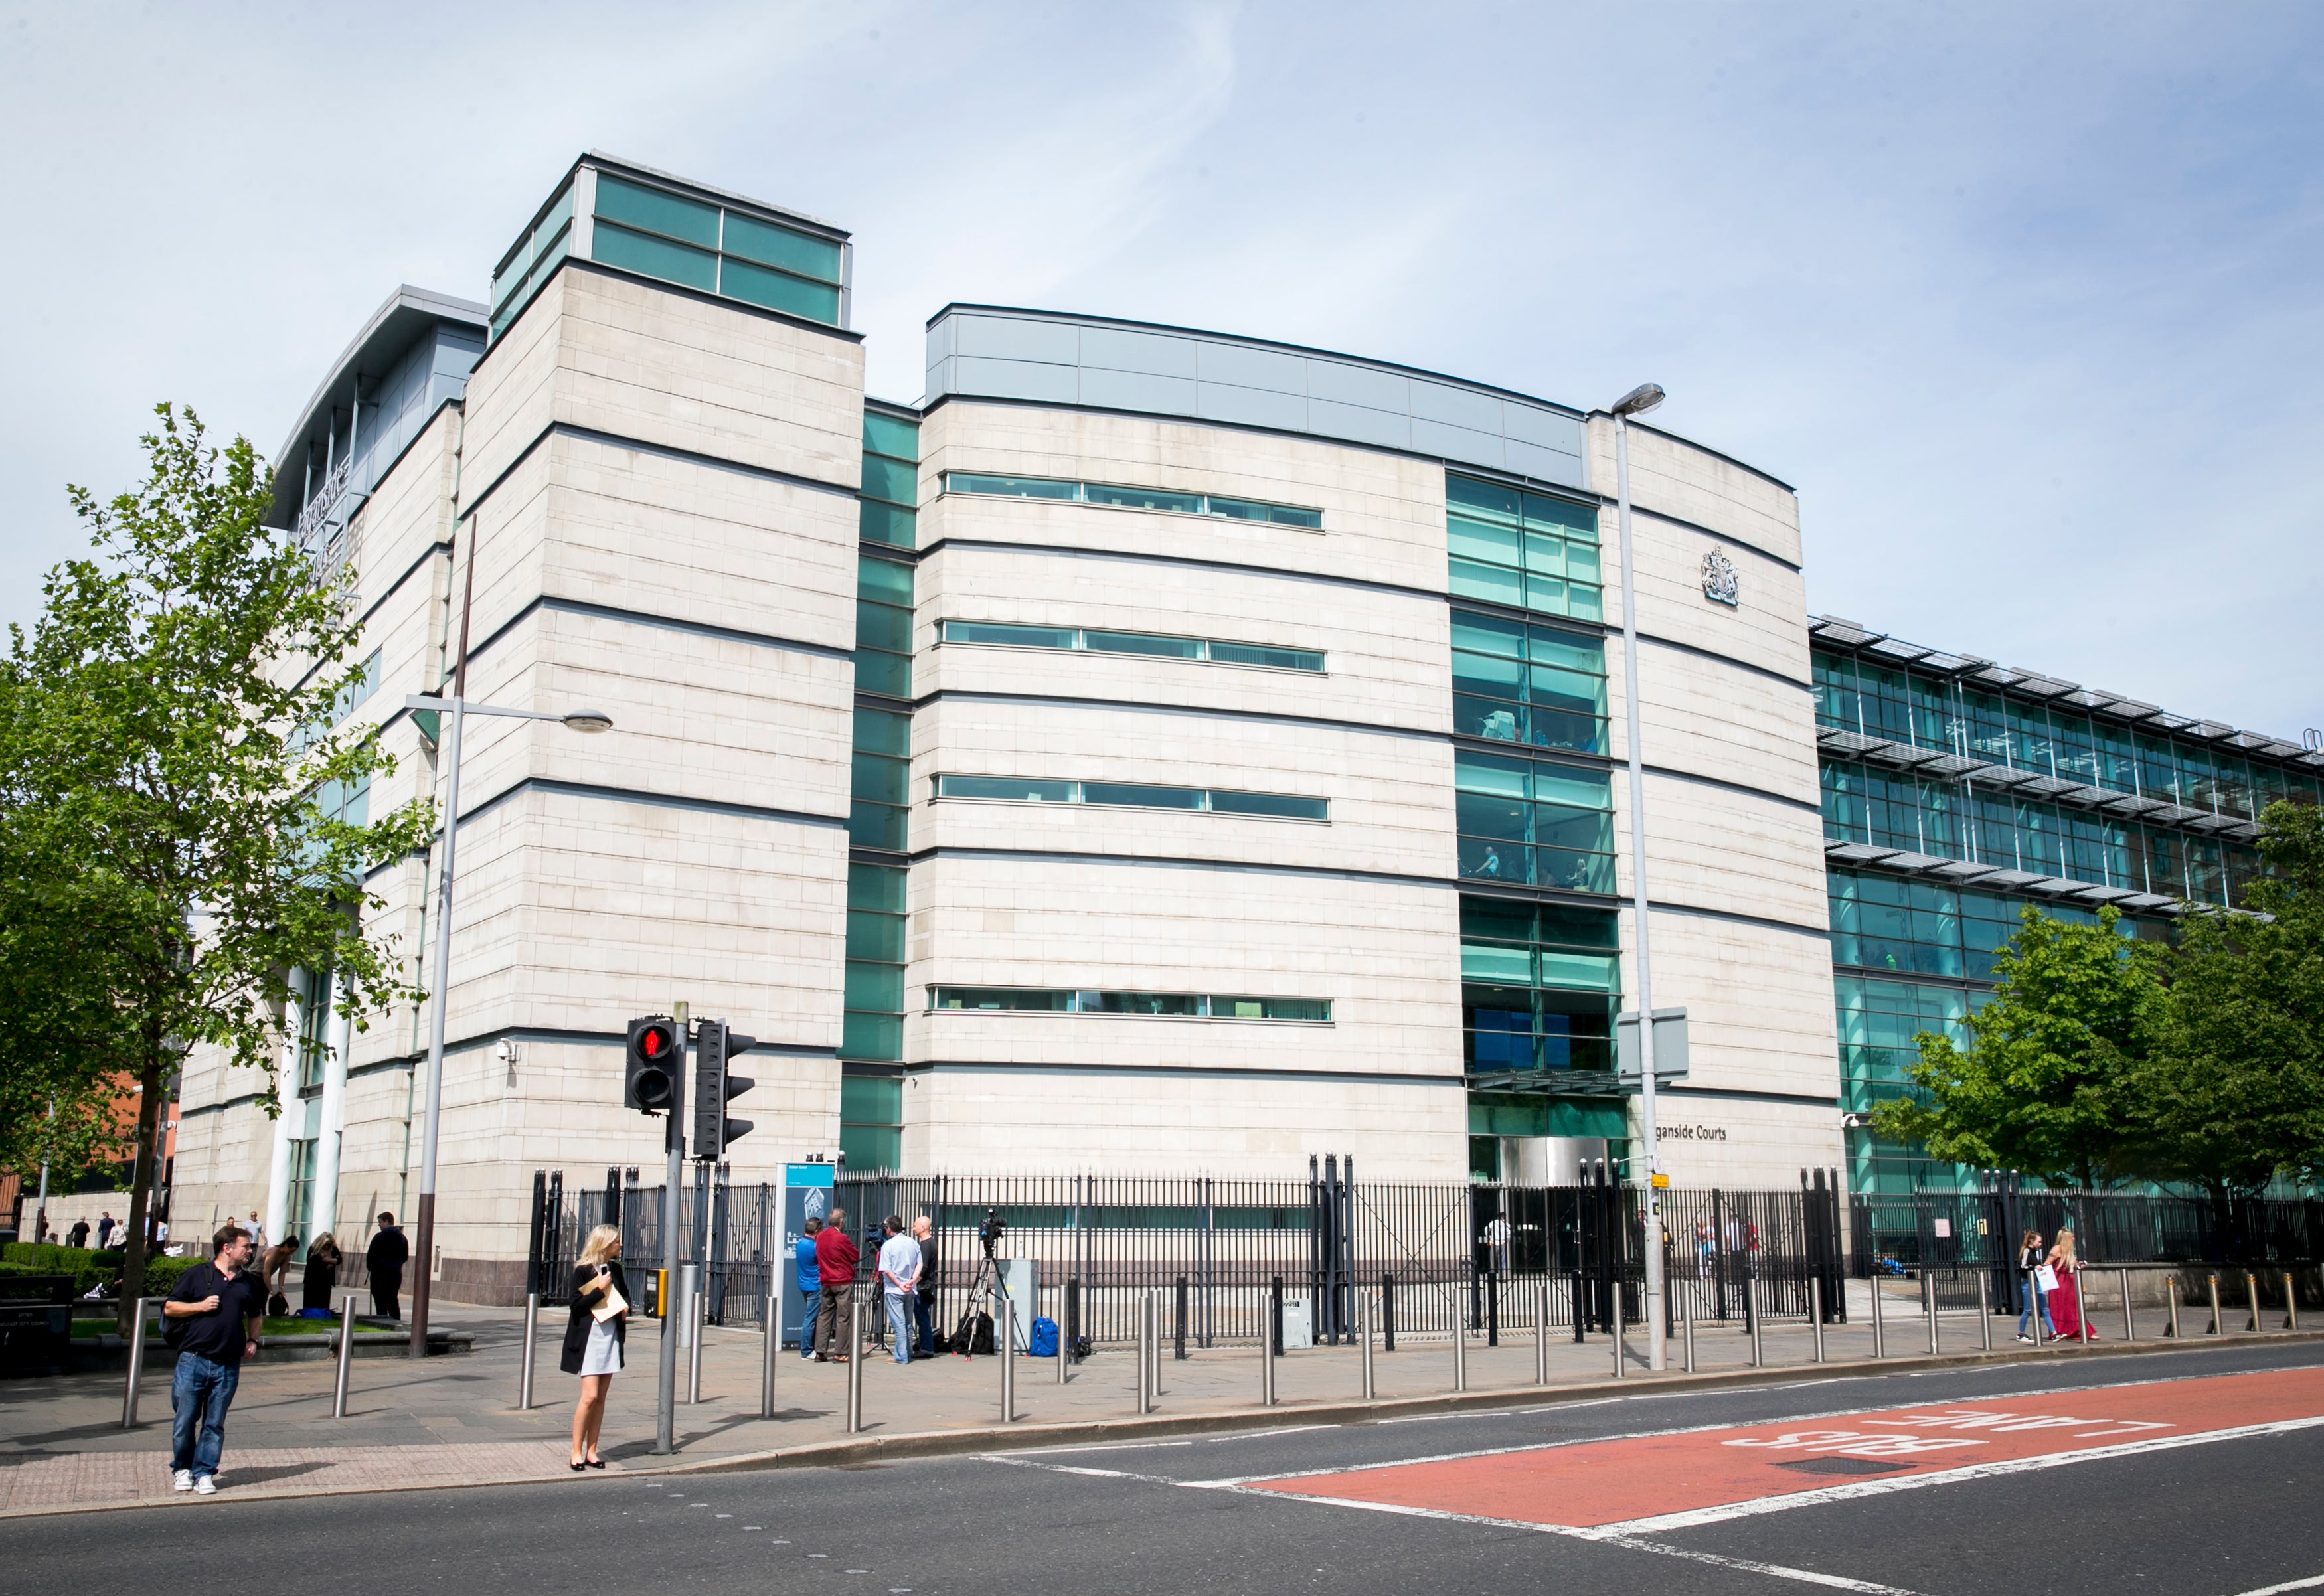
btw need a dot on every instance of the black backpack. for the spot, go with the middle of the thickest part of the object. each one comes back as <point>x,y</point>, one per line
<point>974,1336</point>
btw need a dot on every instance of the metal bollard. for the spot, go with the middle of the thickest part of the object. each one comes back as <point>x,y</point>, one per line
<point>1459,1351</point>
<point>1065,1337</point>
<point>2170,1299</point>
<point>1686,1314</point>
<point>1751,1313</point>
<point>2039,1310</point>
<point>1265,1355</point>
<point>1145,1356</point>
<point>2218,1325</point>
<point>2129,1323</point>
<point>693,1317</point>
<point>1364,1334</point>
<point>1985,1308</point>
<point>1815,1312</point>
<point>347,1358</point>
<point>1387,1313</point>
<point>1929,1290</point>
<point>1008,1359</point>
<point>2290,1302</point>
<point>531,1339</point>
<point>1880,1331</point>
<point>1155,1347</point>
<point>1621,1323</point>
<point>1178,1322</point>
<point>855,1362</point>
<point>771,1336</point>
<point>136,1364</point>
<point>2251,1290</point>
<point>1541,1334</point>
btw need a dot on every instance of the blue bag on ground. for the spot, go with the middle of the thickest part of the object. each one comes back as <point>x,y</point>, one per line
<point>1043,1342</point>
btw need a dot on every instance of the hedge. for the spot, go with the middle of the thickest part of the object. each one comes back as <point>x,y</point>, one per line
<point>89,1269</point>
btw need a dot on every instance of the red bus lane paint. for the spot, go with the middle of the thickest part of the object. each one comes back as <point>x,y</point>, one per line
<point>1644,1484</point>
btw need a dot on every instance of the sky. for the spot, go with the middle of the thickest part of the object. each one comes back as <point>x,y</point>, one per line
<point>2026,301</point>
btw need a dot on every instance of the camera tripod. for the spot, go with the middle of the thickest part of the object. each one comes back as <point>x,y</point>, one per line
<point>983,1287</point>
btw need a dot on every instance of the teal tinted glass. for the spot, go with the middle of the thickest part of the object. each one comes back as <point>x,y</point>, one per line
<point>883,730</point>
<point>776,291</point>
<point>876,826</point>
<point>883,626</point>
<point>1479,539</point>
<point>889,674</point>
<point>1562,515</point>
<point>656,257</point>
<point>887,580</point>
<point>653,210</point>
<point>1018,1000</point>
<point>1280,805</point>
<point>1497,918</point>
<point>1489,583</point>
<point>877,778</point>
<point>1274,658</point>
<point>1488,634</point>
<point>1022,637</point>
<point>878,937</point>
<point>1142,498</point>
<point>874,986</point>
<point>895,480</point>
<point>1139,642</point>
<point>1141,795</point>
<point>1485,773</point>
<point>1486,499</point>
<point>1309,1008</point>
<point>1010,487</point>
<point>875,886</point>
<point>891,435</point>
<point>891,524</point>
<point>801,254</point>
<point>1011,789</point>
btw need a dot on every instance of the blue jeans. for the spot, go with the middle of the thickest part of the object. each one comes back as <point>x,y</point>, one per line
<point>200,1391</point>
<point>2040,1298</point>
<point>924,1313</point>
<point>807,1320</point>
<point>900,1323</point>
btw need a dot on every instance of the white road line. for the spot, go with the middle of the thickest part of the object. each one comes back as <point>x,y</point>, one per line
<point>2309,1583</point>
<point>1026,1463</point>
<point>1774,1570</point>
<point>1865,1488</point>
<point>1263,1434</point>
<point>1093,1446</point>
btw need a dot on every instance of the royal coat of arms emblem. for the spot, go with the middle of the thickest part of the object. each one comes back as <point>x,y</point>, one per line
<point>1721,582</point>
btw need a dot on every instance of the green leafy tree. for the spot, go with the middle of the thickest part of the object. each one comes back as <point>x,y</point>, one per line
<point>2041,1087</point>
<point>171,739</point>
<point>2233,1091</point>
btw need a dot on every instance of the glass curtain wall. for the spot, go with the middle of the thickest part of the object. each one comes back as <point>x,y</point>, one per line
<point>1529,551</point>
<point>1540,985</point>
<point>1517,683</point>
<point>1534,821</point>
<point>872,1031</point>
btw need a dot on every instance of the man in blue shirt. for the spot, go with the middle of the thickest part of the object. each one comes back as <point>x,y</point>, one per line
<point>810,1285</point>
<point>213,1318</point>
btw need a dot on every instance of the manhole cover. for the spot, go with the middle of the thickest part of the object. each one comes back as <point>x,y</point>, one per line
<point>1841,1465</point>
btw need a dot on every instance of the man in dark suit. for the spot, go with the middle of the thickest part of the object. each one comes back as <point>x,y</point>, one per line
<point>384,1259</point>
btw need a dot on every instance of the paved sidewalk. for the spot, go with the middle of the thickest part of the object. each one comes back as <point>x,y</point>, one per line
<point>452,1421</point>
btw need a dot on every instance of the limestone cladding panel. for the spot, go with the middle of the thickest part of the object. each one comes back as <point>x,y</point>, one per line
<point>401,531</point>
<point>1711,848</point>
<point>1390,795</point>
<point>1383,513</point>
<point>1711,717</point>
<point>1759,1002</point>
<point>1740,1144</point>
<point>664,537</point>
<point>512,393</point>
<point>1386,654</point>
<point>641,361</point>
<point>578,912</point>
<point>1674,477</point>
<point>1386,954</point>
<point>1237,1127</point>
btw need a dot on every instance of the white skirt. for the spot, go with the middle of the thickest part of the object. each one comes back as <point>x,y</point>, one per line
<point>603,1355</point>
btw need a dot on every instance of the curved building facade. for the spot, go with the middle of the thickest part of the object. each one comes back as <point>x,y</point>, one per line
<point>1152,751</point>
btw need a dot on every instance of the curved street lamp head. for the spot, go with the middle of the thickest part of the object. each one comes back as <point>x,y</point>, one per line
<point>1639,400</point>
<point>589,720</point>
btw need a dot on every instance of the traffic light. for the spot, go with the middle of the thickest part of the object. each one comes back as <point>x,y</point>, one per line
<point>652,1082</point>
<point>714,1046</point>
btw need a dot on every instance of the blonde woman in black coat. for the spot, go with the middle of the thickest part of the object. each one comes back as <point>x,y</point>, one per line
<point>593,1346</point>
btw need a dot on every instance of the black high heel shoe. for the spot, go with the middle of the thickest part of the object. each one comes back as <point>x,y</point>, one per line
<point>594,1462</point>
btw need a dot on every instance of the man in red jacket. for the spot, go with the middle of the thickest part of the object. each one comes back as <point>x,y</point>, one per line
<point>835,1257</point>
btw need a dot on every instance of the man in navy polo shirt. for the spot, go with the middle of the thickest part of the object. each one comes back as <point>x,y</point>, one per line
<point>215,1314</point>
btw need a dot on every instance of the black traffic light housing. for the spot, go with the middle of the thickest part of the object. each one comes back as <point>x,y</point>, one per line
<point>654,1081</point>
<point>715,1045</point>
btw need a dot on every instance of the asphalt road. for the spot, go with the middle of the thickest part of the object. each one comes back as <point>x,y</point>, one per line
<point>1951,1483</point>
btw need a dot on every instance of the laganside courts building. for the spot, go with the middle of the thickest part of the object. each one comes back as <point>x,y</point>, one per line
<point>1151,750</point>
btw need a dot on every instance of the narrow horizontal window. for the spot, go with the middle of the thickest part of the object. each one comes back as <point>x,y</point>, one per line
<point>1021,1000</point>
<point>1155,645</point>
<point>1134,795</point>
<point>1118,497</point>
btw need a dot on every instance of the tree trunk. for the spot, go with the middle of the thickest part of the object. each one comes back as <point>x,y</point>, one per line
<point>149,1150</point>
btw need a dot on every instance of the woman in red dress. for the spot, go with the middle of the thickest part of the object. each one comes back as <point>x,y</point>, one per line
<point>2066,1301</point>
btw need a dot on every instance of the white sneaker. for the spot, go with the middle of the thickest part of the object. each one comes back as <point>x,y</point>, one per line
<point>183,1480</point>
<point>205,1485</point>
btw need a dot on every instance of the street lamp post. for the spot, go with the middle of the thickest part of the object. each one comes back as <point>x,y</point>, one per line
<point>1638,403</point>
<point>581,720</point>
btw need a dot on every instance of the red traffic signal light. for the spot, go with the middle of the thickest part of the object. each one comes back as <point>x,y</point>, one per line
<point>653,1079</point>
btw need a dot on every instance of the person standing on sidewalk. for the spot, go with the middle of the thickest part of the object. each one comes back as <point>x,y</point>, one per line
<point>103,1229</point>
<point>213,1313</point>
<point>809,1275</point>
<point>900,1277</point>
<point>2030,1295</point>
<point>835,1257</point>
<point>924,1300</point>
<point>384,1259</point>
<point>593,1337</point>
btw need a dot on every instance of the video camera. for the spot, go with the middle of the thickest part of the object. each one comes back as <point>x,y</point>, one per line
<point>990,1232</point>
